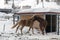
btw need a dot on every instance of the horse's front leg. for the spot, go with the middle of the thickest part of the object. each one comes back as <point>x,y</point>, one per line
<point>42,29</point>
<point>17,29</point>
<point>32,30</point>
<point>32,27</point>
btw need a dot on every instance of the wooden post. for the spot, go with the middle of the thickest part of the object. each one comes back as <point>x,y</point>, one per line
<point>4,28</point>
<point>37,2</point>
<point>51,23</point>
<point>18,18</point>
<point>58,25</point>
<point>42,3</point>
<point>14,19</point>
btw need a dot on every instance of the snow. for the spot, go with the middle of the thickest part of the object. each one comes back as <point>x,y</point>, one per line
<point>2,13</point>
<point>39,10</point>
<point>31,3</point>
<point>48,7</point>
<point>2,4</point>
<point>28,37</point>
<point>9,34</point>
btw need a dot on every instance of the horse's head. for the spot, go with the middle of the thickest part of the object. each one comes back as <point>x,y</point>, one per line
<point>36,17</point>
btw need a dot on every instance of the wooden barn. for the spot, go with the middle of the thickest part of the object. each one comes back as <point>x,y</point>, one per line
<point>51,17</point>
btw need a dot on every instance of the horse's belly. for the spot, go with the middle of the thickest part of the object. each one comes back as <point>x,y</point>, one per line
<point>36,25</point>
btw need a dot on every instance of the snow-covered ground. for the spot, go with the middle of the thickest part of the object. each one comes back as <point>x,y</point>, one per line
<point>28,37</point>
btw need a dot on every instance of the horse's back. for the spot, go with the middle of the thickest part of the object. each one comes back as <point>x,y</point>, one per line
<point>23,22</point>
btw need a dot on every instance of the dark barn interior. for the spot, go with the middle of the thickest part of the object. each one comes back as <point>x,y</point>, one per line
<point>51,19</point>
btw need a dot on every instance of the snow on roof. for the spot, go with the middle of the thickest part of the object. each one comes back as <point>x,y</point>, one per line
<point>39,10</point>
<point>4,14</point>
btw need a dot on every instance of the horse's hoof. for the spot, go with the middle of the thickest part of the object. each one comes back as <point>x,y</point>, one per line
<point>33,33</point>
<point>17,34</point>
<point>30,34</point>
<point>26,32</point>
<point>38,32</point>
<point>42,33</point>
<point>22,34</point>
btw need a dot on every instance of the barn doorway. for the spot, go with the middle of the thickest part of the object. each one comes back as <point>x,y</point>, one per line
<point>51,19</point>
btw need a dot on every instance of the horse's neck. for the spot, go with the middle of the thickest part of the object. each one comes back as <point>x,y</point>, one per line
<point>40,19</point>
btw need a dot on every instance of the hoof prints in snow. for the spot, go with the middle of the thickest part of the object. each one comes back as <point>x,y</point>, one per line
<point>28,37</point>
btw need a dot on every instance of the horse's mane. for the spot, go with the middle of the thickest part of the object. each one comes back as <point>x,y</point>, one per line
<point>38,18</point>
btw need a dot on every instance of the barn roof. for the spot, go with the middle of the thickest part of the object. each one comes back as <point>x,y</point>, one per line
<point>39,11</point>
<point>6,10</point>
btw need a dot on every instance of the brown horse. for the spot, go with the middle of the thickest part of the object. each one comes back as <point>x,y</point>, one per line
<point>29,23</point>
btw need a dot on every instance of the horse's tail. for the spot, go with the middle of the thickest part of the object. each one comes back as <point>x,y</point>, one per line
<point>16,24</point>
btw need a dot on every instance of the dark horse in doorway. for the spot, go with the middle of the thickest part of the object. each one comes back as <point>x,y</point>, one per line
<point>29,23</point>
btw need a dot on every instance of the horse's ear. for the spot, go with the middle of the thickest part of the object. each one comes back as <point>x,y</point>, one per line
<point>32,16</point>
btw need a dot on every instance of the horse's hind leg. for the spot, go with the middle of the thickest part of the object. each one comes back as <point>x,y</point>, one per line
<point>17,29</point>
<point>31,26</point>
<point>32,30</point>
<point>21,30</point>
<point>28,30</point>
